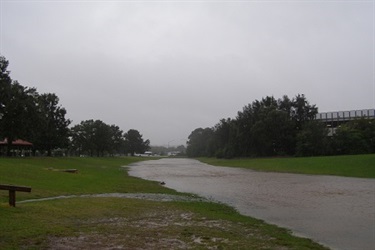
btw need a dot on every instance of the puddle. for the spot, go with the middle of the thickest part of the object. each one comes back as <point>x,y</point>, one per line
<point>143,196</point>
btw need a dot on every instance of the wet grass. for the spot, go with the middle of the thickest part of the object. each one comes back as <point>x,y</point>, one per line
<point>95,175</point>
<point>362,166</point>
<point>99,223</point>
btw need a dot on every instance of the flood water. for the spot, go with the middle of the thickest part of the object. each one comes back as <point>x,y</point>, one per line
<point>337,212</point>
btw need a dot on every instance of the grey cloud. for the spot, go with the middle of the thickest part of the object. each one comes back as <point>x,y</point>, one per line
<point>166,68</point>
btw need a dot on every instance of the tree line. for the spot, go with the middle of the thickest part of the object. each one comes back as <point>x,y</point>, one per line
<point>95,138</point>
<point>280,127</point>
<point>39,118</point>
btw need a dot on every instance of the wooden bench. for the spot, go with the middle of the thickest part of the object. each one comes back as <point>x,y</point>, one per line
<point>74,171</point>
<point>12,192</point>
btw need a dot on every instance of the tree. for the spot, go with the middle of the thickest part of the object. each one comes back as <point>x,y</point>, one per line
<point>302,111</point>
<point>224,138</point>
<point>82,137</point>
<point>273,134</point>
<point>24,114</point>
<point>17,107</point>
<point>263,128</point>
<point>100,139</point>
<point>94,138</point>
<point>312,139</point>
<point>78,139</point>
<point>355,137</point>
<point>134,142</point>
<point>117,140</point>
<point>5,91</point>
<point>18,114</point>
<point>53,126</point>
<point>181,149</point>
<point>200,143</point>
<point>244,122</point>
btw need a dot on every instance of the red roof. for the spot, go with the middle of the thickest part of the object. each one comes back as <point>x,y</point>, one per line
<point>16,142</point>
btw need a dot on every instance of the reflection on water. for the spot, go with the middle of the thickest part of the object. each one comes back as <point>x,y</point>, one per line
<point>335,211</point>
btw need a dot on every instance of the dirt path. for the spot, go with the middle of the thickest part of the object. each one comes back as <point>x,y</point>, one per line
<point>335,211</point>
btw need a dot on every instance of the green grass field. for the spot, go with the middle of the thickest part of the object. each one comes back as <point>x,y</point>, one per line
<point>362,166</point>
<point>88,222</point>
<point>95,175</point>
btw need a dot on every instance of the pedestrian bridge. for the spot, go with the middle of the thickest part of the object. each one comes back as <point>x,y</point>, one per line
<point>335,119</point>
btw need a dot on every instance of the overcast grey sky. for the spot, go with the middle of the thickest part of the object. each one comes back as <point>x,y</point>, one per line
<point>168,67</point>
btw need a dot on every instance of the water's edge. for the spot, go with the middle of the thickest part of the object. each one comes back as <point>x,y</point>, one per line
<point>338,212</point>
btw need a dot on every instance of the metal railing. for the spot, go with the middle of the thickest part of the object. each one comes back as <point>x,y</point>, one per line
<point>342,116</point>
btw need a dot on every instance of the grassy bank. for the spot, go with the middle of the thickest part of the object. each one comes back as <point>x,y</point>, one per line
<point>87,222</point>
<point>95,175</point>
<point>349,165</point>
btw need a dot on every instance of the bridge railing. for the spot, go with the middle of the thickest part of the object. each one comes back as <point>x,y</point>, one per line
<point>341,116</point>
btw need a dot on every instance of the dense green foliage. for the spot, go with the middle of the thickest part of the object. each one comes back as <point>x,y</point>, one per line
<point>38,118</point>
<point>96,138</point>
<point>263,128</point>
<point>283,127</point>
<point>134,142</point>
<point>26,114</point>
<point>344,165</point>
<point>355,137</point>
<point>53,128</point>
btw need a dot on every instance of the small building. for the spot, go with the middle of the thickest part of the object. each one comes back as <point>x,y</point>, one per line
<point>18,147</point>
<point>174,153</point>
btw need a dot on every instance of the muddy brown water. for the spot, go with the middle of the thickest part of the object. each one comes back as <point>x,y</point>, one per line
<point>337,212</point>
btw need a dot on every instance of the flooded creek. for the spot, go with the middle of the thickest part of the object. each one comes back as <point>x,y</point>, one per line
<point>337,212</point>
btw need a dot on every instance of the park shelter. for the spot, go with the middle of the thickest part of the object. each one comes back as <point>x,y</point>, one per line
<point>18,147</point>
